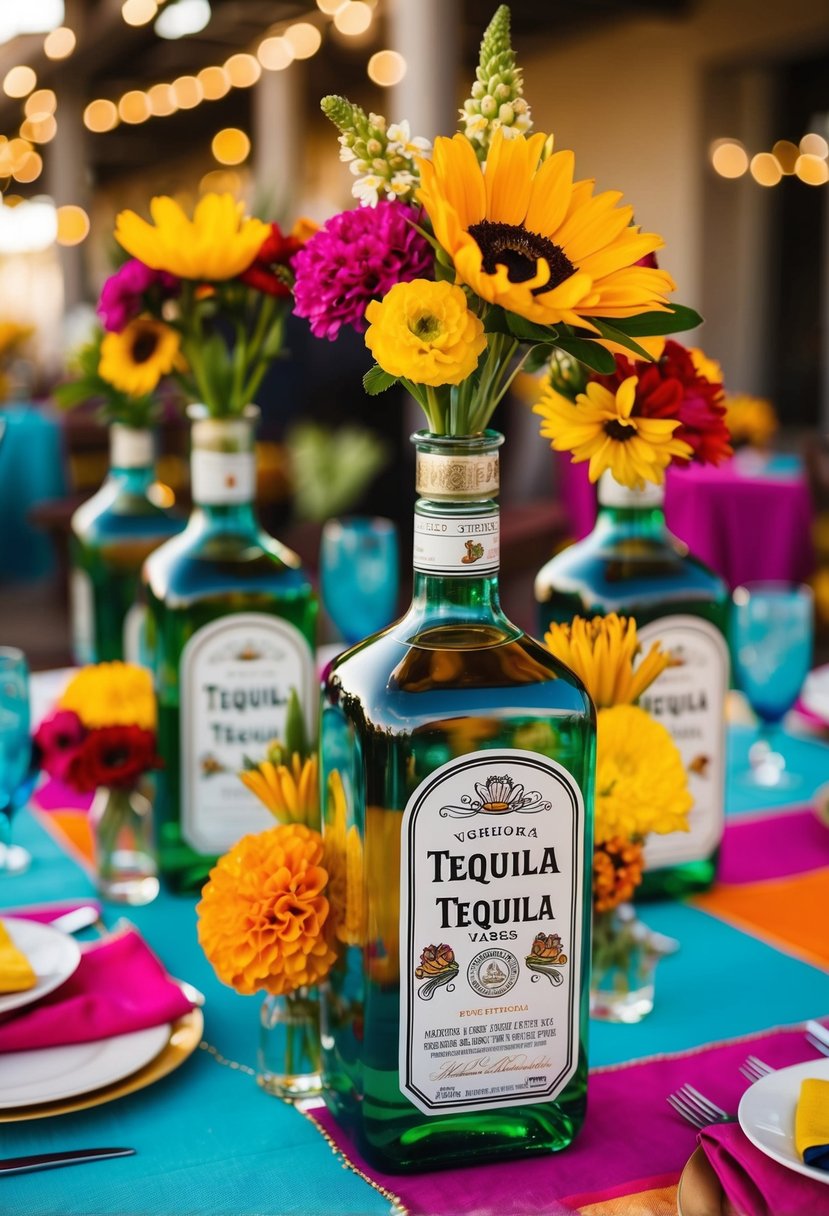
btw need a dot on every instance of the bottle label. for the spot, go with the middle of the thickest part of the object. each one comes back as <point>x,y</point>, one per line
<point>236,676</point>
<point>222,478</point>
<point>492,850</point>
<point>466,545</point>
<point>134,636</point>
<point>689,700</point>
<point>129,447</point>
<point>82,601</point>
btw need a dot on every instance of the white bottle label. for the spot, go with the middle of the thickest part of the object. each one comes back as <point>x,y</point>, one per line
<point>222,478</point>
<point>465,545</point>
<point>82,603</point>
<point>492,850</point>
<point>689,700</point>
<point>236,675</point>
<point>134,636</point>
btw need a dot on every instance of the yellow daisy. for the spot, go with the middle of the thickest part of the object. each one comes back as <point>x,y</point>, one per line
<point>527,237</point>
<point>641,782</point>
<point>291,793</point>
<point>602,428</point>
<point>218,243</point>
<point>135,359</point>
<point>602,653</point>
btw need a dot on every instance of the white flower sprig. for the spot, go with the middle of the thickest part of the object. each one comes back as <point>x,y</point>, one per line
<point>381,155</point>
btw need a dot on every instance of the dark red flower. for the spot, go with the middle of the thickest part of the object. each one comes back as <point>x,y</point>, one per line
<point>277,250</point>
<point>113,756</point>
<point>59,738</point>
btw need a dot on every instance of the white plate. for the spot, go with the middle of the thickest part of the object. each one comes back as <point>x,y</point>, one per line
<point>54,1073</point>
<point>52,954</point>
<point>814,695</point>
<point>766,1114</point>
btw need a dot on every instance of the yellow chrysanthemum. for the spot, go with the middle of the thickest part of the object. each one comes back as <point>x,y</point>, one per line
<point>344,859</point>
<point>218,243</point>
<point>111,694</point>
<point>602,653</point>
<point>262,915</point>
<point>135,359</point>
<point>602,428</point>
<point>291,794</point>
<point>425,332</point>
<point>527,237</point>
<point>750,420</point>
<point>641,782</point>
<point>709,368</point>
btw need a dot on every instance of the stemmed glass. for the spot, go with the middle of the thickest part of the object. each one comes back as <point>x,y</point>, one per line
<point>15,753</point>
<point>359,574</point>
<point>772,630</point>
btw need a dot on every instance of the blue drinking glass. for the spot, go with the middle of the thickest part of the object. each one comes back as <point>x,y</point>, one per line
<point>359,575</point>
<point>16,777</point>
<point>772,636</point>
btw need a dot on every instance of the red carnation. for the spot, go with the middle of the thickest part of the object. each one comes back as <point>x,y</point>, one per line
<point>277,250</point>
<point>113,756</point>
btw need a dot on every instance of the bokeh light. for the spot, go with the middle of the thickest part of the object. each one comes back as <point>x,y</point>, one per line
<point>39,130</point>
<point>765,169</point>
<point>187,92</point>
<point>138,12</point>
<point>221,181</point>
<point>389,67</point>
<point>814,145</point>
<point>230,146</point>
<point>330,7</point>
<point>729,158</point>
<point>275,54</point>
<point>28,168</point>
<point>353,18</point>
<point>134,107</point>
<point>40,104</point>
<point>73,225</point>
<point>243,70</point>
<point>786,154</point>
<point>19,81</point>
<point>215,83</point>
<point>100,115</point>
<point>60,43</point>
<point>162,100</point>
<point>304,39</point>
<point>812,170</point>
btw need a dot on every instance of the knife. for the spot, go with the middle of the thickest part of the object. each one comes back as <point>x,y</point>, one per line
<point>50,1161</point>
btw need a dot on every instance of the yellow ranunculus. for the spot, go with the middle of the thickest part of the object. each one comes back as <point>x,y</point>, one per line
<point>641,782</point>
<point>218,243</point>
<point>424,332</point>
<point>135,359</point>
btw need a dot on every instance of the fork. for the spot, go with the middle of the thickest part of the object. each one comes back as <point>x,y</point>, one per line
<point>754,1069</point>
<point>696,1109</point>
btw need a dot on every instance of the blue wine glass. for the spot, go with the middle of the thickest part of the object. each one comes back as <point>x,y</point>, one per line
<point>359,575</point>
<point>772,635</point>
<point>15,753</point>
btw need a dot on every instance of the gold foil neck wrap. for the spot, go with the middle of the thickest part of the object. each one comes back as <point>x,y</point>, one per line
<point>448,476</point>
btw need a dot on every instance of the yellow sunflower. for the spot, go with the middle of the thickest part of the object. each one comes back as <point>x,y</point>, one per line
<point>135,359</point>
<point>218,243</point>
<point>641,782</point>
<point>602,653</point>
<point>527,237</point>
<point>602,428</point>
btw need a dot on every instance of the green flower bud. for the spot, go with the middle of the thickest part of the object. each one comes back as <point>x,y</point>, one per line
<point>489,107</point>
<point>498,83</point>
<point>478,90</point>
<point>374,147</point>
<point>506,115</point>
<point>502,92</point>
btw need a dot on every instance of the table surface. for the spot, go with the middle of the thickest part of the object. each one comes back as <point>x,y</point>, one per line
<point>209,1141</point>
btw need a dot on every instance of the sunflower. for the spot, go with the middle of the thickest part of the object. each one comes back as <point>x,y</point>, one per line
<point>603,429</point>
<point>218,243</point>
<point>641,782</point>
<point>602,652</point>
<point>135,359</point>
<point>527,237</point>
<point>290,792</point>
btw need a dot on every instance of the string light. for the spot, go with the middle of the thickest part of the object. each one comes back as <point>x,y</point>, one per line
<point>19,81</point>
<point>388,67</point>
<point>162,100</point>
<point>183,18</point>
<point>729,158</point>
<point>243,70</point>
<point>353,18</point>
<point>138,12</point>
<point>230,146</point>
<point>765,169</point>
<point>187,92</point>
<point>29,168</point>
<point>40,104</point>
<point>100,115</point>
<point>215,83</point>
<point>134,107</point>
<point>275,54</point>
<point>73,225</point>
<point>814,145</point>
<point>812,170</point>
<point>786,154</point>
<point>221,181</point>
<point>304,39</point>
<point>60,43</point>
<point>39,130</point>
<point>330,7</point>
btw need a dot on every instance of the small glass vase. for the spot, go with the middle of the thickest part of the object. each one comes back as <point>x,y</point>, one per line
<point>122,827</point>
<point>288,1062</point>
<point>625,955</point>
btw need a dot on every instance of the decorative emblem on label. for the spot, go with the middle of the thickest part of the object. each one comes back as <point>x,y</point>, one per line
<point>545,958</point>
<point>497,796</point>
<point>493,972</point>
<point>474,552</point>
<point>437,967</point>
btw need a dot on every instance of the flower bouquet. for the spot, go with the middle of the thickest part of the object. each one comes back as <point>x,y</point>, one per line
<point>641,788</point>
<point>100,739</point>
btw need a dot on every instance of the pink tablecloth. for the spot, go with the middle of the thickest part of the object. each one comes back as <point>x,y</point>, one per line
<point>747,522</point>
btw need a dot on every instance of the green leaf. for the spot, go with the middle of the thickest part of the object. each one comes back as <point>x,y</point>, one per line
<point>654,324</point>
<point>528,331</point>
<point>590,353</point>
<point>617,335</point>
<point>538,357</point>
<point>495,321</point>
<point>377,381</point>
<point>296,738</point>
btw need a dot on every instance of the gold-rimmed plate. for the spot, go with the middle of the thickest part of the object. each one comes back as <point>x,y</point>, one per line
<point>184,1037</point>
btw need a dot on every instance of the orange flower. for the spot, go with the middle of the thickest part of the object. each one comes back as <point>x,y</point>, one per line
<point>617,872</point>
<point>262,913</point>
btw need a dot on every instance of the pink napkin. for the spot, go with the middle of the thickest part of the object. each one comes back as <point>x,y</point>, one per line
<point>119,986</point>
<point>44,914</point>
<point>756,1185</point>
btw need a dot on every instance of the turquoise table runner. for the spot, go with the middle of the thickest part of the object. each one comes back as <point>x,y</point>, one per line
<point>210,1142</point>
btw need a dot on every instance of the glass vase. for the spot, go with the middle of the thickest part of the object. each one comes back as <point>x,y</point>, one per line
<point>122,828</point>
<point>624,959</point>
<point>288,1061</point>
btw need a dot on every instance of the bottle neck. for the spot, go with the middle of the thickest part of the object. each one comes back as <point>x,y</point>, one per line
<point>223,471</point>
<point>131,458</point>
<point>633,513</point>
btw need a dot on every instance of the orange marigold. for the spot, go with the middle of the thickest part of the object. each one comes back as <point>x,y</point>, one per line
<point>617,872</point>
<point>263,912</point>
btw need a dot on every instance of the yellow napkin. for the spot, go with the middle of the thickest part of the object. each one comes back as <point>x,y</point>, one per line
<point>16,974</point>
<point>811,1123</point>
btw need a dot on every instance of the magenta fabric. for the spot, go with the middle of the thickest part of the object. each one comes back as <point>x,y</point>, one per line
<point>44,914</point>
<point>747,527</point>
<point>53,795</point>
<point>757,847</point>
<point>628,1099</point>
<point>756,1185</point>
<point>119,986</point>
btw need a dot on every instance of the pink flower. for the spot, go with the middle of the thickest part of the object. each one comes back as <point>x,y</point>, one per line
<point>357,257</point>
<point>122,295</point>
<point>59,738</point>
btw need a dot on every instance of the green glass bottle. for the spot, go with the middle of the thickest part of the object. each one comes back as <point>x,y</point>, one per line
<point>454,1026</point>
<point>113,533</point>
<point>231,632</point>
<point>631,564</point>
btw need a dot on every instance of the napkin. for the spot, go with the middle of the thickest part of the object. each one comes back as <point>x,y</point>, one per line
<point>811,1123</point>
<point>16,974</point>
<point>756,1185</point>
<point>119,986</point>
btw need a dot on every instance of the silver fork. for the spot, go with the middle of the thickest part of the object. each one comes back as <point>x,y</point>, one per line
<point>819,1044</point>
<point>754,1069</point>
<point>696,1109</point>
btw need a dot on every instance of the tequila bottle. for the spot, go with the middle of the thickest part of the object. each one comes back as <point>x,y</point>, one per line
<point>230,628</point>
<point>112,534</point>
<point>457,764</point>
<point>632,565</point>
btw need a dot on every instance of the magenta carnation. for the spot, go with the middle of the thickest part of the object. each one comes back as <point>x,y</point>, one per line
<point>59,738</point>
<point>122,295</point>
<point>355,258</point>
